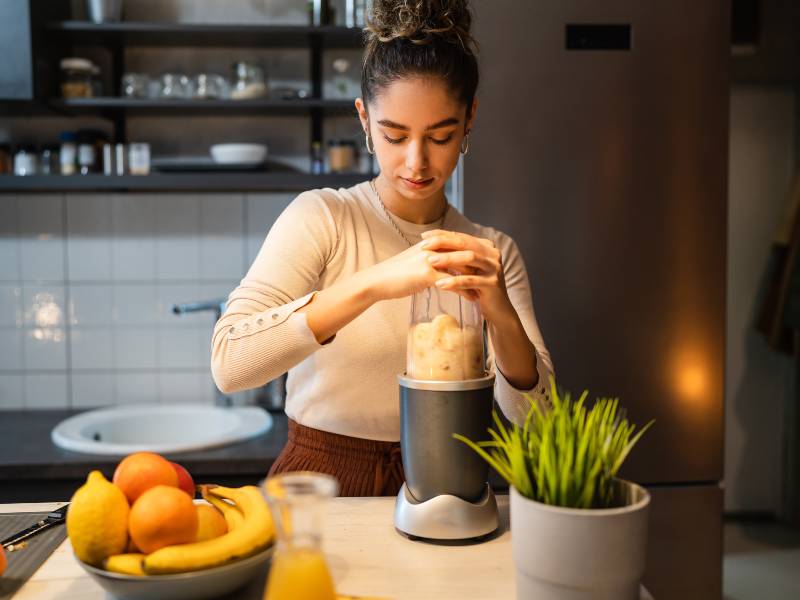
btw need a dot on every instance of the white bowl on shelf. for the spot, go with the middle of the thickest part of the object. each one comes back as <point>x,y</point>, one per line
<point>228,154</point>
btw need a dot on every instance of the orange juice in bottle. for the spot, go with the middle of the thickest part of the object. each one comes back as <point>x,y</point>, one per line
<point>299,570</point>
<point>299,574</point>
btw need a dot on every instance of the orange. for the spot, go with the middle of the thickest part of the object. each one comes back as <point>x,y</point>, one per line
<point>185,481</point>
<point>137,473</point>
<point>3,561</point>
<point>210,523</point>
<point>162,516</point>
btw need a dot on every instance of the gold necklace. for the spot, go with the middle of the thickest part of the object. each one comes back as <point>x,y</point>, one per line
<point>439,223</point>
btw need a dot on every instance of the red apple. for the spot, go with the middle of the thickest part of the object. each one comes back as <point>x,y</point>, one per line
<point>185,481</point>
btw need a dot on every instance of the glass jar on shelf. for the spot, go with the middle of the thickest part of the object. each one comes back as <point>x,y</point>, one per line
<point>135,85</point>
<point>341,156</point>
<point>139,159</point>
<point>26,161</point>
<point>49,162</point>
<point>174,86</point>
<point>249,82</point>
<point>76,78</point>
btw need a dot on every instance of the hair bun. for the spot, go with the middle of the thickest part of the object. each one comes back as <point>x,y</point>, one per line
<point>420,21</point>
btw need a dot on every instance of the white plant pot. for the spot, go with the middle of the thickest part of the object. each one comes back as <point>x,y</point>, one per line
<point>580,554</point>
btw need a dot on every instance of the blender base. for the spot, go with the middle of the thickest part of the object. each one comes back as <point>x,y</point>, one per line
<point>445,517</point>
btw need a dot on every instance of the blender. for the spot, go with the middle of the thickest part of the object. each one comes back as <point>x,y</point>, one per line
<point>445,390</point>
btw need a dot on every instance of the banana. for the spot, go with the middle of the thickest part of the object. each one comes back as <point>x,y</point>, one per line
<point>128,564</point>
<point>233,515</point>
<point>254,534</point>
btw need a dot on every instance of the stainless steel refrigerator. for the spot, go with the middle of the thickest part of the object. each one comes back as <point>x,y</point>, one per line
<point>601,147</point>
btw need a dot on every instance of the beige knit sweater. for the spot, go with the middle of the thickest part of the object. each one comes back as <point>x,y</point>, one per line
<point>349,384</point>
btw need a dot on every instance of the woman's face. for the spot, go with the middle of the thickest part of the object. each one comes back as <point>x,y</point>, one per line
<point>417,127</point>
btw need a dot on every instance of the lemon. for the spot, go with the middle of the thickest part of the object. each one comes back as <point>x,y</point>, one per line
<point>97,520</point>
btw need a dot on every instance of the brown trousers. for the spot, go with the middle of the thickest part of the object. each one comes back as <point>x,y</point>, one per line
<point>363,467</point>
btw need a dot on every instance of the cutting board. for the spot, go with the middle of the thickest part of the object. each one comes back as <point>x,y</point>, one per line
<point>24,562</point>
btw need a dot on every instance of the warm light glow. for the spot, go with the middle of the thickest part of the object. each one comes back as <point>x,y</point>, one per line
<point>690,377</point>
<point>692,382</point>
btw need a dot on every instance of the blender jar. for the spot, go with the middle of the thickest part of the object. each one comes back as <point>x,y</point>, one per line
<point>445,337</point>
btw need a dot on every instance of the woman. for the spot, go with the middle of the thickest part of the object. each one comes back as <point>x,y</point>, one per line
<point>327,297</point>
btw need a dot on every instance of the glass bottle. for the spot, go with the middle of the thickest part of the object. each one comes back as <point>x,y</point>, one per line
<point>317,162</point>
<point>299,570</point>
<point>445,337</point>
<point>68,156</point>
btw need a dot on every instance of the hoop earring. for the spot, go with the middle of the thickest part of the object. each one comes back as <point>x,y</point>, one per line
<point>465,145</point>
<point>370,147</point>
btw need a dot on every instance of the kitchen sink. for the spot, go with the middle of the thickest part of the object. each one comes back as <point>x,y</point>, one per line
<point>159,428</point>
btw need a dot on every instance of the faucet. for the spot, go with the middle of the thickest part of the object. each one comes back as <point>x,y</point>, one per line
<point>271,396</point>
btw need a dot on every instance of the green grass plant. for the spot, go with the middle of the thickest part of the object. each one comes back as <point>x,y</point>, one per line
<point>566,455</point>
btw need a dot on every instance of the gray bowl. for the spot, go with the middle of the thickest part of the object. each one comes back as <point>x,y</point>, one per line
<point>195,585</point>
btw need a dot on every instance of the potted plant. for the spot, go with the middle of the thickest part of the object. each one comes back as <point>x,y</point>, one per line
<point>577,531</point>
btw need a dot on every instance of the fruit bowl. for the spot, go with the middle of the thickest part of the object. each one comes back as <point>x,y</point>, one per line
<point>194,585</point>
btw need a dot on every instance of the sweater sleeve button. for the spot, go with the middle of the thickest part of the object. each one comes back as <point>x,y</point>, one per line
<point>275,316</point>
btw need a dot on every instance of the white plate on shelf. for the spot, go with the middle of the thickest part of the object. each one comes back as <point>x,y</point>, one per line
<point>226,154</point>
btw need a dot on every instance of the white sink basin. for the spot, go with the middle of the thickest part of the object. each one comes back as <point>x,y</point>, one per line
<point>158,428</point>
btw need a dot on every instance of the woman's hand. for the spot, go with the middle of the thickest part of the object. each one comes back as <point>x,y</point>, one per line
<point>472,267</point>
<point>403,274</point>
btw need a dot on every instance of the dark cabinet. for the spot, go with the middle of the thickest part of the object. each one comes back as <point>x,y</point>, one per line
<point>16,68</point>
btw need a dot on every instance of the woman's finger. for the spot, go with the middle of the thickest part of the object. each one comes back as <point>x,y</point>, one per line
<point>457,234</point>
<point>466,282</point>
<point>461,259</point>
<point>451,241</point>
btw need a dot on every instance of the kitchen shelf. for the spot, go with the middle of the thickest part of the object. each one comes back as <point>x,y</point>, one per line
<point>175,107</point>
<point>195,181</point>
<point>132,33</point>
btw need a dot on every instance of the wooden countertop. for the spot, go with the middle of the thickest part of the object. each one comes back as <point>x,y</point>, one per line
<point>366,555</point>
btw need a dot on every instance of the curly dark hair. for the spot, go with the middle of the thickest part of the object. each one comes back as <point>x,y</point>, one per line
<point>406,38</point>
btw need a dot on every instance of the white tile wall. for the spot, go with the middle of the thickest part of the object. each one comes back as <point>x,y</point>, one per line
<point>133,243</point>
<point>178,238</point>
<point>90,390</point>
<point>46,390</point>
<point>10,305</point>
<point>91,305</point>
<point>41,232</point>
<point>136,388</point>
<point>11,358</point>
<point>45,349</point>
<point>9,239</point>
<point>87,284</point>
<point>12,391</point>
<point>92,349</point>
<point>89,239</point>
